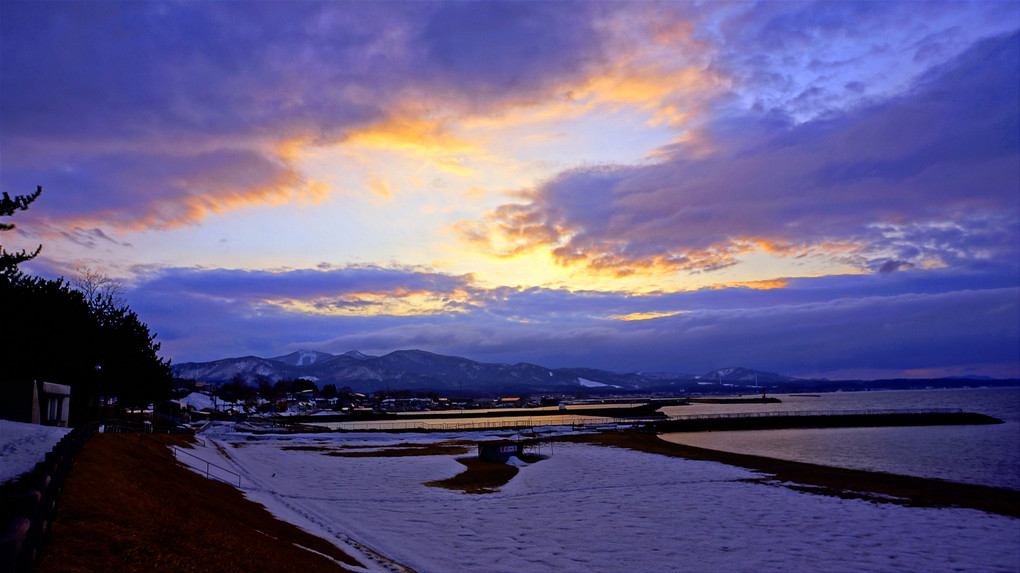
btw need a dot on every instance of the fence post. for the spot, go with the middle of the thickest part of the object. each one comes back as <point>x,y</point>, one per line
<point>14,556</point>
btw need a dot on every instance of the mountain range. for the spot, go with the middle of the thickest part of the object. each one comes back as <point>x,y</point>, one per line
<point>422,371</point>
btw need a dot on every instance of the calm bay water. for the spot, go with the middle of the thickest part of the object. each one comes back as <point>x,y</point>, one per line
<point>987,455</point>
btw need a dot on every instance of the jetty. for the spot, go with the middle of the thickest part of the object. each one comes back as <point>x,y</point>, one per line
<point>796,419</point>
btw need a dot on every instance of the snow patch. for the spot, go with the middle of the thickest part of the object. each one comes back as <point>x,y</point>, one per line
<point>593,384</point>
<point>24,445</point>
<point>516,462</point>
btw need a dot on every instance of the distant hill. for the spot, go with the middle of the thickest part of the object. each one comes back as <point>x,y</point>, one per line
<point>422,371</point>
<point>425,371</point>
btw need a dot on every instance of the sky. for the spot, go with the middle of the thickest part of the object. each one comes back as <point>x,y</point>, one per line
<point>817,189</point>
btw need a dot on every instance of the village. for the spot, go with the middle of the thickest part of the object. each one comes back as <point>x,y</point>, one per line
<point>236,400</point>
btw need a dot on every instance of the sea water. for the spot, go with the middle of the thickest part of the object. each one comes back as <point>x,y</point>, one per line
<point>978,454</point>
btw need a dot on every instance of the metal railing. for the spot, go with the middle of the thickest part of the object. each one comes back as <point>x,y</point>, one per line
<point>208,466</point>
<point>125,427</point>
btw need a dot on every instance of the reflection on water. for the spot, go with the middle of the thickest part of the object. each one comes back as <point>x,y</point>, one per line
<point>987,455</point>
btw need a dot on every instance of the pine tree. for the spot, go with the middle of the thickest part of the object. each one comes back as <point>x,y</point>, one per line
<point>80,334</point>
<point>9,261</point>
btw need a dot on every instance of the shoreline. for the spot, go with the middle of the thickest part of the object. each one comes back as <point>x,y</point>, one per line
<point>827,480</point>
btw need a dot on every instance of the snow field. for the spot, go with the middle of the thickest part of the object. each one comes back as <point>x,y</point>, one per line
<point>590,508</point>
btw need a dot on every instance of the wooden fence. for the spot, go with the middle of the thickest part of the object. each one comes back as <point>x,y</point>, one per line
<point>26,514</point>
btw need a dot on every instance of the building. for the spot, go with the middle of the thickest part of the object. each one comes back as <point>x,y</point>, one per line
<point>35,402</point>
<point>500,450</point>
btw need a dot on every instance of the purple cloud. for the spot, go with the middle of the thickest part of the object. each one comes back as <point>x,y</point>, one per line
<point>253,286</point>
<point>942,321</point>
<point>154,114</point>
<point>928,177</point>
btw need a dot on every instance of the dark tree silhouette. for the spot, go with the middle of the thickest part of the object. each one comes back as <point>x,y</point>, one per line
<point>10,261</point>
<point>102,351</point>
<point>55,333</point>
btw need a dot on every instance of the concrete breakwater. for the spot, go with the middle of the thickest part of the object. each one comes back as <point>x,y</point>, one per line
<point>817,419</point>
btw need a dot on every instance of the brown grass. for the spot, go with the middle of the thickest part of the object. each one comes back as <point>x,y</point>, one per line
<point>846,483</point>
<point>128,506</point>
<point>481,476</point>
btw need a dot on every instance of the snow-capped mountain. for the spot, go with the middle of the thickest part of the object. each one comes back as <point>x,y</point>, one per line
<point>743,375</point>
<point>425,371</point>
<point>247,368</point>
<point>303,358</point>
<point>422,371</point>
<point>416,370</point>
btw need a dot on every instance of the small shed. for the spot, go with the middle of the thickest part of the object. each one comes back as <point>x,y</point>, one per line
<point>35,402</point>
<point>500,450</point>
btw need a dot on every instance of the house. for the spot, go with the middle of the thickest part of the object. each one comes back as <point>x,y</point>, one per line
<point>500,450</point>
<point>35,402</point>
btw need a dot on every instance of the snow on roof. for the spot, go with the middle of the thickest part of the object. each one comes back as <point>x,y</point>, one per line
<point>24,445</point>
<point>200,401</point>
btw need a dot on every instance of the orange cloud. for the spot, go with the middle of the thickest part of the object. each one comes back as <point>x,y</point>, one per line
<point>508,231</point>
<point>397,302</point>
<point>205,197</point>
<point>767,284</point>
<point>419,137</point>
<point>645,315</point>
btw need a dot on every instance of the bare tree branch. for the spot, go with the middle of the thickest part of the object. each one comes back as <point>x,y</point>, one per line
<point>98,287</point>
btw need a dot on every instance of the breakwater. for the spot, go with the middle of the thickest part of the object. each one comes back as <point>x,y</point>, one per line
<point>817,419</point>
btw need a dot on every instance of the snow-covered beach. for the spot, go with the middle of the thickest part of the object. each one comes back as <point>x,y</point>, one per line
<point>591,508</point>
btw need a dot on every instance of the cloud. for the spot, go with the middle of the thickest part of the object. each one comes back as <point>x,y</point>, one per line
<point>257,286</point>
<point>206,312</point>
<point>146,115</point>
<point>809,59</point>
<point>928,177</point>
<point>156,115</point>
<point>503,48</point>
<point>896,322</point>
<point>850,335</point>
